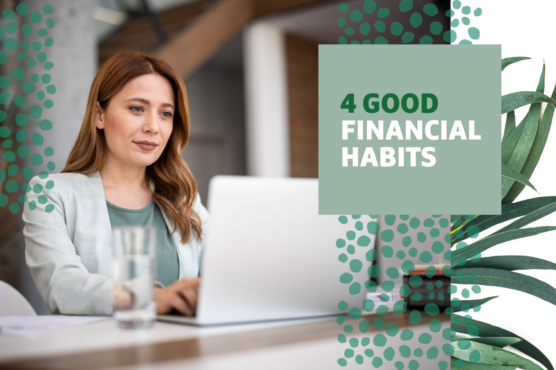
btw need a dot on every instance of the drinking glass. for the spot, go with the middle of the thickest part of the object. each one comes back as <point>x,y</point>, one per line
<point>133,271</point>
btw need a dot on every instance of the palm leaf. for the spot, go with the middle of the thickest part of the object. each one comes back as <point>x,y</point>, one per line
<point>510,173</point>
<point>505,279</point>
<point>523,147</point>
<point>519,99</point>
<point>490,241</point>
<point>482,329</point>
<point>507,61</point>
<point>509,145</point>
<point>456,221</point>
<point>511,263</point>
<point>491,355</point>
<point>472,303</point>
<point>500,342</point>
<point>531,217</point>
<point>510,125</point>
<point>465,220</point>
<point>471,366</point>
<point>509,211</point>
<point>536,151</point>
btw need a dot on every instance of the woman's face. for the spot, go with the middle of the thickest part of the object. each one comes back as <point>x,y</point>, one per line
<point>138,120</point>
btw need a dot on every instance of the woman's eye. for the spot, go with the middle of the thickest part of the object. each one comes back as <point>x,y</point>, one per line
<point>167,114</point>
<point>133,109</point>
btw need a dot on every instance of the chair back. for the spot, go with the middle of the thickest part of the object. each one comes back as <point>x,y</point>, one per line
<point>12,303</point>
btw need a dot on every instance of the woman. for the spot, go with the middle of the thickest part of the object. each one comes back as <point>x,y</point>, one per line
<point>124,169</point>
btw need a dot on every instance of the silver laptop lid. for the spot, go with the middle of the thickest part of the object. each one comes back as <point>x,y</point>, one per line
<point>269,255</point>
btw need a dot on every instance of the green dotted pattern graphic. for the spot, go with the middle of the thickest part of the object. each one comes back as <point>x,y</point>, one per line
<point>458,222</point>
<point>31,78</point>
<point>393,229</point>
<point>462,30</point>
<point>384,27</point>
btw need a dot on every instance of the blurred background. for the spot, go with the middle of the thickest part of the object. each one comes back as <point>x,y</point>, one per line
<point>250,68</point>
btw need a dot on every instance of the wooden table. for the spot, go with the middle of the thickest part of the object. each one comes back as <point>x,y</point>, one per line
<point>276,345</point>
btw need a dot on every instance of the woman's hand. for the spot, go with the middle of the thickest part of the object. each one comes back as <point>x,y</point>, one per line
<point>123,299</point>
<point>182,296</point>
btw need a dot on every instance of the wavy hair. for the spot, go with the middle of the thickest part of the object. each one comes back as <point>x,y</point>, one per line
<point>174,186</point>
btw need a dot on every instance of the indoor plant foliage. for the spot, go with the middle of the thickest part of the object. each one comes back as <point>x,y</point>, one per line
<point>522,146</point>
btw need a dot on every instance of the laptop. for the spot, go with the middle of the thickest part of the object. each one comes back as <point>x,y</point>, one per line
<point>270,256</point>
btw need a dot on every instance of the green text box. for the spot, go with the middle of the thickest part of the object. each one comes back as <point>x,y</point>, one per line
<point>466,176</point>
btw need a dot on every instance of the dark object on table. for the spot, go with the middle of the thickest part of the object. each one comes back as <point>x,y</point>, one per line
<point>432,290</point>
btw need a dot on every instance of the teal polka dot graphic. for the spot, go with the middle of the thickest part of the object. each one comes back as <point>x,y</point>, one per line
<point>383,12</point>
<point>396,28</point>
<point>23,148</point>
<point>11,43</point>
<point>404,239</point>
<point>356,24</point>
<point>462,18</point>
<point>416,20</point>
<point>430,9</point>
<point>391,234</point>
<point>408,37</point>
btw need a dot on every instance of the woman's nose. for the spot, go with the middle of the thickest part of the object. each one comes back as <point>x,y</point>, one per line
<point>151,123</point>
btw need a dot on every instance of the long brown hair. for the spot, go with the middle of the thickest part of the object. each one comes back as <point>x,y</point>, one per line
<point>174,186</point>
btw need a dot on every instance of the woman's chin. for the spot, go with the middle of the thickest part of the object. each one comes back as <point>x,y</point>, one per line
<point>144,160</point>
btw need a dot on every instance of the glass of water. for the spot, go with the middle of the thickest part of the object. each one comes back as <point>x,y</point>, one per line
<point>133,271</point>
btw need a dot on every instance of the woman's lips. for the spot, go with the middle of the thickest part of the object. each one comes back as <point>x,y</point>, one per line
<point>146,145</point>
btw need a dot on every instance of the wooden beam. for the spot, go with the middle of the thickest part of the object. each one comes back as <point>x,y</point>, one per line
<point>196,44</point>
<point>196,30</point>
<point>139,34</point>
<point>268,7</point>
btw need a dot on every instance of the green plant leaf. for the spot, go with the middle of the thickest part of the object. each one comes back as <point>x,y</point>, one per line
<point>507,61</point>
<point>509,145</point>
<point>472,303</point>
<point>491,355</point>
<point>509,211</point>
<point>482,329</point>
<point>456,221</point>
<point>510,173</point>
<point>519,99</point>
<point>471,366</point>
<point>466,219</point>
<point>540,85</point>
<point>510,125</point>
<point>511,263</point>
<point>505,279</point>
<point>536,151</point>
<point>500,342</point>
<point>523,147</point>
<point>531,217</point>
<point>495,239</point>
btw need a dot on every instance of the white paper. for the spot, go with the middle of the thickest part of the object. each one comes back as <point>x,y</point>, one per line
<point>33,325</point>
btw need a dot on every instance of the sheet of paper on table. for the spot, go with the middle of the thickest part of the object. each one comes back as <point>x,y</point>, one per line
<point>34,325</point>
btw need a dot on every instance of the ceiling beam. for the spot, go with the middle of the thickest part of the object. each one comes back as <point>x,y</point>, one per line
<point>196,31</point>
<point>139,34</point>
<point>189,49</point>
<point>268,7</point>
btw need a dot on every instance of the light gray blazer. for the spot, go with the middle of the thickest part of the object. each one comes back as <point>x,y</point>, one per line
<point>69,250</point>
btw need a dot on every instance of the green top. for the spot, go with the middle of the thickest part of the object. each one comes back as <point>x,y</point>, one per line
<point>167,264</point>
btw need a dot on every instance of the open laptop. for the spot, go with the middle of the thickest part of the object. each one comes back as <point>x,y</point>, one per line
<point>270,256</point>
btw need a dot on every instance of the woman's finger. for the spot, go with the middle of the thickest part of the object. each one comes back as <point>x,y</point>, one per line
<point>177,302</point>
<point>195,285</point>
<point>190,295</point>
